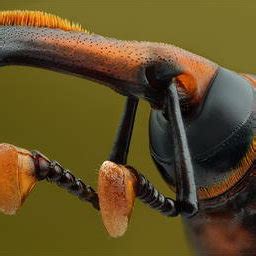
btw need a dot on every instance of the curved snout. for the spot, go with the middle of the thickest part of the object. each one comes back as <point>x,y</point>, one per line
<point>133,68</point>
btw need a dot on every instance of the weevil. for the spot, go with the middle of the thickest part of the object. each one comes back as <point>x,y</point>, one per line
<point>201,127</point>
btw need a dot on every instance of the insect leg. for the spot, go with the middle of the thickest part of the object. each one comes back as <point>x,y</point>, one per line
<point>145,191</point>
<point>122,141</point>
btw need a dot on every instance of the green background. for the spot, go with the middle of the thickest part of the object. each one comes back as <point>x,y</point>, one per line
<point>74,121</point>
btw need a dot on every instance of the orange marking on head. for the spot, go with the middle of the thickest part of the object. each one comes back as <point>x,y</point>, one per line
<point>197,75</point>
<point>37,19</point>
<point>196,71</point>
<point>188,83</point>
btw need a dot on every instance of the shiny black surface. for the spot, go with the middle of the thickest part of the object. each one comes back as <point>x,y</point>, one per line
<point>218,135</point>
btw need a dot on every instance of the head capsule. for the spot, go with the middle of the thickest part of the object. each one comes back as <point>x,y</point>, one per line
<point>220,133</point>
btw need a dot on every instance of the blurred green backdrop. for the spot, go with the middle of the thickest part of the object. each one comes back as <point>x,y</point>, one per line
<point>74,121</point>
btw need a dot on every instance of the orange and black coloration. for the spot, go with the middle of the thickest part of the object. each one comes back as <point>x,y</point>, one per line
<point>202,124</point>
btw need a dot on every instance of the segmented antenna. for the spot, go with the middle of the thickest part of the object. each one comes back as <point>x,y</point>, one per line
<point>149,195</point>
<point>53,172</point>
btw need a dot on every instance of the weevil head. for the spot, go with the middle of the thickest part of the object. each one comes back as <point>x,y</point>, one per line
<point>220,133</point>
<point>215,119</point>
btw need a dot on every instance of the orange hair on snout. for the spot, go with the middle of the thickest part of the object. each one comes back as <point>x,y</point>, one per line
<point>37,19</point>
